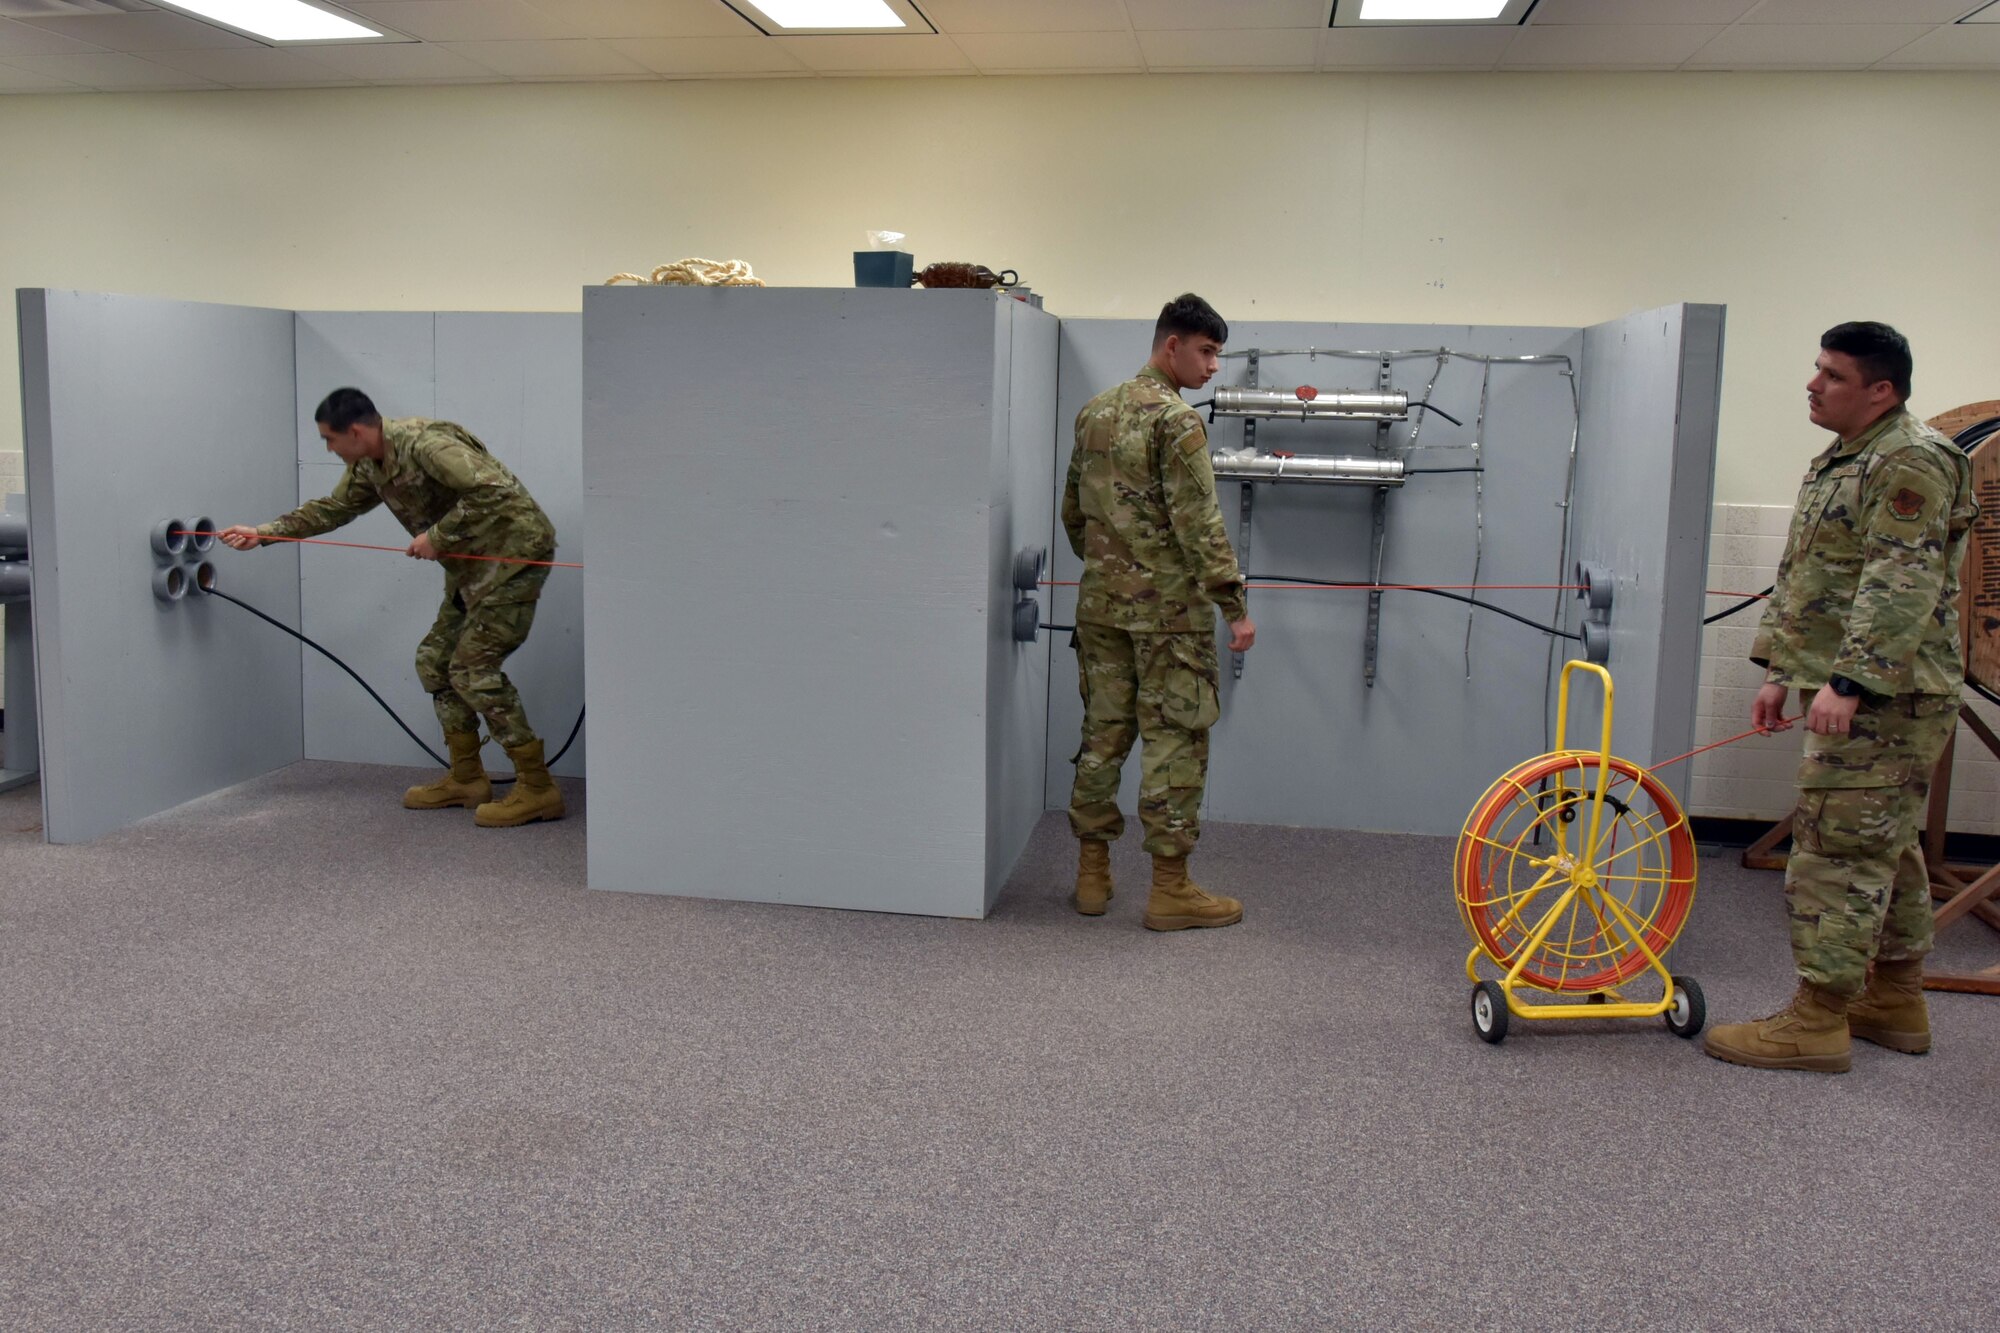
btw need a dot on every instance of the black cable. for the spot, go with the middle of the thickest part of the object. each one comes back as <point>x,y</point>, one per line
<point>1430,407</point>
<point>1980,690</point>
<point>1437,471</point>
<point>1070,628</point>
<point>1435,592</point>
<point>1743,605</point>
<point>439,759</point>
<point>1976,434</point>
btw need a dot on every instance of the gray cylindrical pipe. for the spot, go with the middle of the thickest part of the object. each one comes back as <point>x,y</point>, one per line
<point>15,580</point>
<point>1339,404</point>
<point>203,581</point>
<point>13,532</point>
<point>1327,471</point>
<point>170,584</point>
<point>169,538</point>
<point>203,538</point>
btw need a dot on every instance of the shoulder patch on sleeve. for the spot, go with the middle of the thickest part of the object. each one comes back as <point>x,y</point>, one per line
<point>1186,431</point>
<point>1907,505</point>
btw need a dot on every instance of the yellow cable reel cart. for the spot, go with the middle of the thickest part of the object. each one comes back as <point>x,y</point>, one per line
<point>1575,873</point>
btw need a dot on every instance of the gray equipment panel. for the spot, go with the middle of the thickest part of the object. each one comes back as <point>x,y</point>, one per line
<point>138,410</point>
<point>515,381</point>
<point>796,603</point>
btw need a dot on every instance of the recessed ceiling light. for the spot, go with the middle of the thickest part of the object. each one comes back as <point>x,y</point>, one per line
<point>824,14</point>
<point>1430,11</point>
<point>277,20</point>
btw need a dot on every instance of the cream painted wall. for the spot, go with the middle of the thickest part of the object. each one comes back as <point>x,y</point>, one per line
<point>1797,199</point>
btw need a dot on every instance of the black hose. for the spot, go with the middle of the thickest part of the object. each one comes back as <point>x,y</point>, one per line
<point>441,761</point>
<point>1435,592</point>
<point>1980,690</point>
<point>1976,434</point>
<point>1437,471</point>
<point>1428,407</point>
<point>1743,605</point>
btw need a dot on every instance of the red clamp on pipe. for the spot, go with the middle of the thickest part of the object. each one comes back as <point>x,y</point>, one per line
<point>1306,393</point>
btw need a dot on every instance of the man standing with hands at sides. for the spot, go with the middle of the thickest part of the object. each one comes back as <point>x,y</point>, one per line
<point>1139,508</point>
<point>1863,624</point>
<point>453,498</point>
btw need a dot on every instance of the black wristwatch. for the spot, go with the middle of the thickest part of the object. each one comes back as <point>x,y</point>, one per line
<point>1845,688</point>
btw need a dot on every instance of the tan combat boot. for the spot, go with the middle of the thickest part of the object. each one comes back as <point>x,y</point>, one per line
<point>1093,876</point>
<point>465,785</point>
<point>1178,903</point>
<point>1809,1033</point>
<point>1891,1012</point>
<point>534,795</point>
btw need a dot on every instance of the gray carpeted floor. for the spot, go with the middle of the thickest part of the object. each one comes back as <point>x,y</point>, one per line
<point>292,1057</point>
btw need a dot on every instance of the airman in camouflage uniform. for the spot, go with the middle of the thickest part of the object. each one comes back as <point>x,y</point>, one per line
<point>1139,508</point>
<point>1863,623</point>
<point>455,499</point>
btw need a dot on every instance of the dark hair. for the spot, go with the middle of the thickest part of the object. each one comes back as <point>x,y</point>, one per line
<point>342,408</point>
<point>1188,315</point>
<point>1880,352</point>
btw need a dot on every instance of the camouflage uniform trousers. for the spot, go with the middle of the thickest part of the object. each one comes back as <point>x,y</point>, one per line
<point>1159,688</point>
<point>458,662</point>
<point>1856,884</point>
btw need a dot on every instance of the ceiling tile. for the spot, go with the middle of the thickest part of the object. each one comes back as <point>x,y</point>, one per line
<point>580,59</point>
<point>1652,46</point>
<point>1860,11</point>
<point>1253,48</point>
<point>1960,46</point>
<point>111,71</point>
<point>1412,48</point>
<point>1990,14</point>
<point>24,81</point>
<point>694,57</point>
<point>157,31</point>
<point>1027,52</point>
<point>910,54</point>
<point>1809,46</point>
<point>1639,11</point>
<point>646,18</point>
<point>1176,15</point>
<point>462,20</point>
<point>401,62</point>
<point>957,16</point>
<point>261,66</point>
<point>24,39</point>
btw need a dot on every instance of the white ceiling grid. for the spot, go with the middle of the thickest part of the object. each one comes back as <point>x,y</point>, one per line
<point>503,41</point>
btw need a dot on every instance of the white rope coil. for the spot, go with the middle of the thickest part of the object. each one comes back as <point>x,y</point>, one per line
<point>695,273</point>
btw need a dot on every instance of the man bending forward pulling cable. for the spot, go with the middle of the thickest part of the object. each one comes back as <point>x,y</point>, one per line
<point>1139,508</point>
<point>453,498</point>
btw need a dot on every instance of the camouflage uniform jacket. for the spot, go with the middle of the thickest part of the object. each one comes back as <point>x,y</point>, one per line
<point>436,477</point>
<point>1139,508</point>
<point>1868,586</point>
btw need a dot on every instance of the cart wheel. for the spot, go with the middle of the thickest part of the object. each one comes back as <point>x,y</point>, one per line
<point>1689,1009</point>
<point>1489,1012</point>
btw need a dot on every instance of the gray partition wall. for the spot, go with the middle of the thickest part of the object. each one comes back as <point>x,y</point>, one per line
<point>1459,694</point>
<point>1644,495</point>
<point>135,411</point>
<point>515,381</point>
<point>801,501</point>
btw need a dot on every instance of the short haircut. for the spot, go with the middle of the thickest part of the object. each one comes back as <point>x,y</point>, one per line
<point>342,408</point>
<point>1880,351</point>
<point>1189,316</point>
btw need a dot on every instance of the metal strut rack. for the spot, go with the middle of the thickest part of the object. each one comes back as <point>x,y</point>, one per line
<point>1384,471</point>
